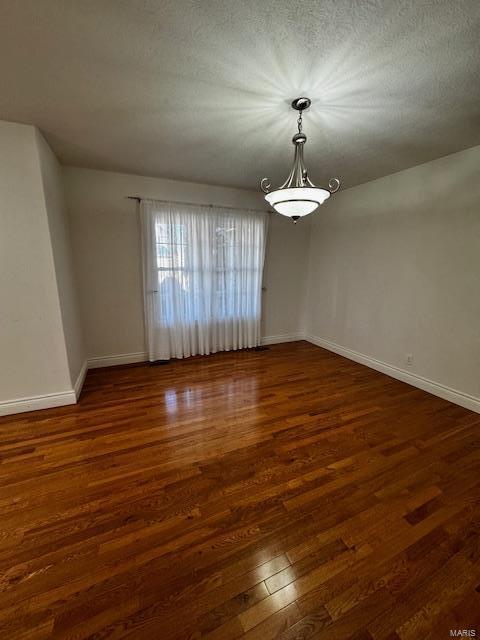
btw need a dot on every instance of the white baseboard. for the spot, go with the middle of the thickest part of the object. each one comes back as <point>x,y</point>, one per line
<point>80,380</point>
<point>284,337</point>
<point>141,356</point>
<point>111,361</point>
<point>34,403</point>
<point>47,401</point>
<point>437,389</point>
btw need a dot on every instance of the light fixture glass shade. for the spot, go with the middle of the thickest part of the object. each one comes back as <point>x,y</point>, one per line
<point>297,201</point>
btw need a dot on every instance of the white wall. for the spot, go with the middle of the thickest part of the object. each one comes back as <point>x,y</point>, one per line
<point>62,254</point>
<point>32,348</point>
<point>394,269</point>
<point>286,263</point>
<point>106,247</point>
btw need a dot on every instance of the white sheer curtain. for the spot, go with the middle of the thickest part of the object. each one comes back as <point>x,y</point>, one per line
<point>202,269</point>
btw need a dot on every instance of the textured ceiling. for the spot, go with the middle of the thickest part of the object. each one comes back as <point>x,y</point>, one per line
<point>200,90</point>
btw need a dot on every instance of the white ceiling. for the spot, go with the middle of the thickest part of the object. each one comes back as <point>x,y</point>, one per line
<point>200,90</point>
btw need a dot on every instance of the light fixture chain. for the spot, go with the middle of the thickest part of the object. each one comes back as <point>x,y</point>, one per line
<point>299,122</point>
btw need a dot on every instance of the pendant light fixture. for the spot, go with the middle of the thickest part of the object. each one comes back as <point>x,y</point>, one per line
<point>298,196</point>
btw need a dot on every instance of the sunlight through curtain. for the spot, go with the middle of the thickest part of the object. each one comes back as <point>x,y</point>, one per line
<point>202,271</point>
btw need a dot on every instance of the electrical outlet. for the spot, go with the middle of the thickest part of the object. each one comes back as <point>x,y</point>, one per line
<point>409,359</point>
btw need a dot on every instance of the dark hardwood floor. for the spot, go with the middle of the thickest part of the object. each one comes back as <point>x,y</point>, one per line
<point>287,493</point>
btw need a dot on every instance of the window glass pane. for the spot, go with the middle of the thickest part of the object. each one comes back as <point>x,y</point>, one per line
<point>171,243</point>
<point>203,285</point>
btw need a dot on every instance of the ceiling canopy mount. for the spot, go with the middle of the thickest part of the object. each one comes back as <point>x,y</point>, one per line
<point>300,104</point>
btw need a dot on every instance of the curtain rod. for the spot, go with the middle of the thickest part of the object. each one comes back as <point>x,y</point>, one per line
<point>195,204</point>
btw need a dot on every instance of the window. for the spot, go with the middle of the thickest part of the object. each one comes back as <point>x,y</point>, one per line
<point>205,272</point>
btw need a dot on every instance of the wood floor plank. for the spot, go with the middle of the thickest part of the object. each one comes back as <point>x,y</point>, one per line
<point>285,493</point>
